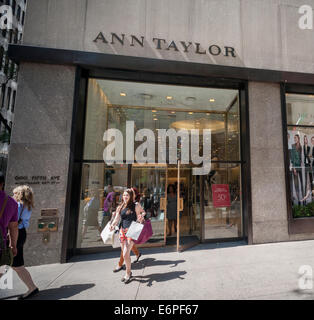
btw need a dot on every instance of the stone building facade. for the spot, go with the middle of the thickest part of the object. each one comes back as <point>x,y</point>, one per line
<point>255,47</point>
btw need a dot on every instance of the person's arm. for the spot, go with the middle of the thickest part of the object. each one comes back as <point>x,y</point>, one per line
<point>13,234</point>
<point>113,214</point>
<point>307,195</point>
<point>140,212</point>
<point>25,217</point>
<point>116,219</point>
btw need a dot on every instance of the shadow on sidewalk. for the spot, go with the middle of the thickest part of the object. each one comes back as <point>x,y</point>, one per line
<point>159,277</point>
<point>59,293</point>
<point>306,294</point>
<point>148,262</point>
<point>109,254</point>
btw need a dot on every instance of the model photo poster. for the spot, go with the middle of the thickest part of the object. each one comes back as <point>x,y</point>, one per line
<point>301,156</point>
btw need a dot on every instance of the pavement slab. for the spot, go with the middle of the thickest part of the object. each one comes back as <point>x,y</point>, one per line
<point>233,271</point>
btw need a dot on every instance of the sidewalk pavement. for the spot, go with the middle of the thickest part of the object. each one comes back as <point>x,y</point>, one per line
<point>207,271</point>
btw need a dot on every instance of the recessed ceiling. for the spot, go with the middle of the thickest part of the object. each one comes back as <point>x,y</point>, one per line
<point>155,96</point>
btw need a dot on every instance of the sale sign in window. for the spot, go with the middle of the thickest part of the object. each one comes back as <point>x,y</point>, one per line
<point>221,195</point>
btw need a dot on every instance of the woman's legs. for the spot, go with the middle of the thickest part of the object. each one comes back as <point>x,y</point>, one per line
<point>128,244</point>
<point>169,227</point>
<point>170,223</point>
<point>299,171</point>
<point>135,250</point>
<point>25,276</point>
<point>121,259</point>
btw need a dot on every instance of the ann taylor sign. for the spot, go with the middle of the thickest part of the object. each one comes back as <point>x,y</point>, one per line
<point>165,44</point>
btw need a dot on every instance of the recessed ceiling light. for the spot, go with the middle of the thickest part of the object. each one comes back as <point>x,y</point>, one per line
<point>190,112</point>
<point>211,100</point>
<point>122,94</point>
<point>169,98</point>
<point>190,98</point>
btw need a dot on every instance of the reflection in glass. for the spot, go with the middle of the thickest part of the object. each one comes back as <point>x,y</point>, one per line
<point>300,109</point>
<point>150,182</point>
<point>300,137</point>
<point>301,157</point>
<point>223,221</point>
<point>149,107</point>
<point>101,191</point>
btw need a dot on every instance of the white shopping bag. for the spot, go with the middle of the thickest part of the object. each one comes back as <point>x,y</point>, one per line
<point>116,240</point>
<point>107,235</point>
<point>135,230</point>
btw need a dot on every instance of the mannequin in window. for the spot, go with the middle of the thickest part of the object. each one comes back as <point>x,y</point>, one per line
<point>291,173</point>
<point>307,163</point>
<point>296,152</point>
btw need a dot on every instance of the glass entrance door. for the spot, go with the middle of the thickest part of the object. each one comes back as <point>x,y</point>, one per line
<point>183,219</point>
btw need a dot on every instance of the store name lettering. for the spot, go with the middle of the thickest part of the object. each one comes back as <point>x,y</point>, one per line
<point>163,44</point>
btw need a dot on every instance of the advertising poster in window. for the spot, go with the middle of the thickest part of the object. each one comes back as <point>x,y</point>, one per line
<point>301,164</point>
<point>221,195</point>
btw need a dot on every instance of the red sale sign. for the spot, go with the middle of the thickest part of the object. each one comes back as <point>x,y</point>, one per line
<point>221,195</point>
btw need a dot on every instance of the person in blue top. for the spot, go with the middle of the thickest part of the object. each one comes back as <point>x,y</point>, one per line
<point>24,197</point>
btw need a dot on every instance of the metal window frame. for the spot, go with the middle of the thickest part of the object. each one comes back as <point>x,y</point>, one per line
<point>295,225</point>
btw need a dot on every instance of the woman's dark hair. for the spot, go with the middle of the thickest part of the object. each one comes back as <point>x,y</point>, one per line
<point>130,204</point>
<point>173,187</point>
<point>137,195</point>
<point>305,136</point>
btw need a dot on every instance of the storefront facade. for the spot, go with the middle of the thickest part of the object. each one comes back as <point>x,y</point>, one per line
<point>91,70</point>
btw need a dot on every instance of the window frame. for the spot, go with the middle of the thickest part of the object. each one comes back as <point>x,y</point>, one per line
<point>295,225</point>
<point>69,247</point>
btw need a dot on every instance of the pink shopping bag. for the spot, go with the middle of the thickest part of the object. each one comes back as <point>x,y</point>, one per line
<point>146,233</point>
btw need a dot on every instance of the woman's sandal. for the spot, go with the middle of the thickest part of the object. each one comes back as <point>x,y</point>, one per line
<point>127,280</point>
<point>117,269</point>
<point>137,258</point>
<point>29,295</point>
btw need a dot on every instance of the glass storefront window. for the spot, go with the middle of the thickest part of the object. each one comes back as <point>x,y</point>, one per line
<point>98,183</point>
<point>300,136</point>
<point>223,199</point>
<point>110,105</point>
<point>150,181</point>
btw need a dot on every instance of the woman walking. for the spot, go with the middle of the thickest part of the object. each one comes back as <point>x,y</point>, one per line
<point>127,212</point>
<point>140,217</point>
<point>24,197</point>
